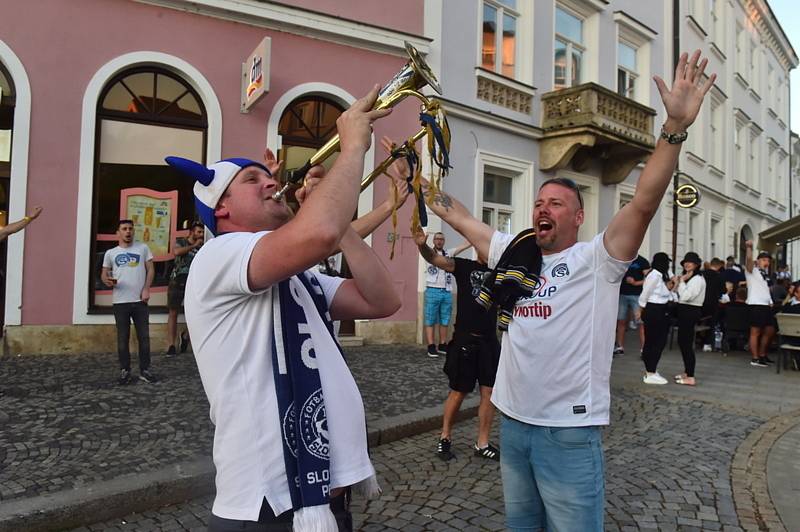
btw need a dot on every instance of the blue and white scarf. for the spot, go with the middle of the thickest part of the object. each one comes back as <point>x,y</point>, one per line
<point>301,405</point>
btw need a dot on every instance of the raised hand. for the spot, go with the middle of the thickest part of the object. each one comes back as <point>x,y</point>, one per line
<point>355,124</point>
<point>399,169</point>
<point>420,238</point>
<point>271,162</point>
<point>683,101</point>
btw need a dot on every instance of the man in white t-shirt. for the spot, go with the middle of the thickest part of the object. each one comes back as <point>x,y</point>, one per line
<point>553,380</point>
<point>290,434</point>
<point>128,271</point>
<point>759,306</point>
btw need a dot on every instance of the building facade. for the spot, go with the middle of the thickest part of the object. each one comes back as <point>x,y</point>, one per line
<point>738,151</point>
<point>89,109</point>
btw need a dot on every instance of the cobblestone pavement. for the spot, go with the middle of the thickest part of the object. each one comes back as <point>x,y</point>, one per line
<point>668,468</point>
<point>65,423</point>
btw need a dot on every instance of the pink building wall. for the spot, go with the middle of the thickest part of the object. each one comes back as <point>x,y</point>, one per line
<point>63,44</point>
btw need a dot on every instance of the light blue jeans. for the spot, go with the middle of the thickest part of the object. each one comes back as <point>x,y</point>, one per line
<point>553,477</point>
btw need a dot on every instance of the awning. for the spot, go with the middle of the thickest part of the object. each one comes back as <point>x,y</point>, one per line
<point>769,239</point>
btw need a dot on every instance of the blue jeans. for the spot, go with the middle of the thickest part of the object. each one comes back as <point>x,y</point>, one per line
<point>553,477</point>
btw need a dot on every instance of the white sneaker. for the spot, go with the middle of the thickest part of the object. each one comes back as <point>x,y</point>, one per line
<point>654,378</point>
<point>706,348</point>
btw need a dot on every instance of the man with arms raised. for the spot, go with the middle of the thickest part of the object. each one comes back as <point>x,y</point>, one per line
<point>290,436</point>
<point>553,380</point>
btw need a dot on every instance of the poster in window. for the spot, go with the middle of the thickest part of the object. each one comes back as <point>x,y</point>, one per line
<point>153,214</point>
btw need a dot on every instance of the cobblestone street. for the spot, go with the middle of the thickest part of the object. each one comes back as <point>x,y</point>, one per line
<point>671,462</point>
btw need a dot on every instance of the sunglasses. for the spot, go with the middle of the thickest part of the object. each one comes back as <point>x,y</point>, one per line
<point>565,182</point>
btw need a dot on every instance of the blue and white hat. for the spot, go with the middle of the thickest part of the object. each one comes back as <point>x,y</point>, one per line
<point>211,182</point>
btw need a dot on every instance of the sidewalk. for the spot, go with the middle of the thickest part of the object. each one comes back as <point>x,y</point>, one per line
<point>74,444</point>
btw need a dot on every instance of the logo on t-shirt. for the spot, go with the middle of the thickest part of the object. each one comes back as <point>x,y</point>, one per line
<point>127,259</point>
<point>476,278</point>
<point>560,270</point>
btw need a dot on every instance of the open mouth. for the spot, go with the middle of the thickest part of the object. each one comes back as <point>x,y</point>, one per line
<point>543,227</point>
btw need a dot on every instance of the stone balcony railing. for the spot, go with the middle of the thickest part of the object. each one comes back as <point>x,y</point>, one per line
<point>590,122</point>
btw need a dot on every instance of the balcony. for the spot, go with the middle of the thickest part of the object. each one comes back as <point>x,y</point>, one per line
<point>589,123</point>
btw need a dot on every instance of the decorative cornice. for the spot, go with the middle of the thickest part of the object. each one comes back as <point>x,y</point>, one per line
<point>759,13</point>
<point>307,23</point>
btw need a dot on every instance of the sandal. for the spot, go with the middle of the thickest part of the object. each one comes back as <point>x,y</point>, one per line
<point>490,452</point>
<point>679,379</point>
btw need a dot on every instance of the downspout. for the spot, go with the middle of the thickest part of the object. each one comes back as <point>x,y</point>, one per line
<point>676,46</point>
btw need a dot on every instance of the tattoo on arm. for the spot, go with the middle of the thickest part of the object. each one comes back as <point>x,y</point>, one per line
<point>443,200</point>
<point>426,252</point>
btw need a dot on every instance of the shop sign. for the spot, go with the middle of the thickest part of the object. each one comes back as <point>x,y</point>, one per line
<point>255,75</point>
<point>687,196</point>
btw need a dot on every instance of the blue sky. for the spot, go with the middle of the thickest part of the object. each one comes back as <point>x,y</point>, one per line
<point>787,13</point>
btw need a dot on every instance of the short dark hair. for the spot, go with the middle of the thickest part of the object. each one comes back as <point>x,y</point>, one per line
<point>566,183</point>
<point>716,261</point>
<point>197,224</point>
<point>124,222</point>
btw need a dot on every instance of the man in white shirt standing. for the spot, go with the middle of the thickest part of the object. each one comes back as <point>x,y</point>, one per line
<point>553,380</point>
<point>290,434</point>
<point>759,301</point>
<point>438,303</point>
<point>128,270</point>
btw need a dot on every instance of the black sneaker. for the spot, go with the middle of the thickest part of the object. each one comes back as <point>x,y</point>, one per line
<point>184,341</point>
<point>171,351</point>
<point>147,377</point>
<point>490,452</point>
<point>124,377</point>
<point>443,449</point>
<point>432,351</point>
<point>442,349</point>
<point>757,362</point>
<point>767,360</point>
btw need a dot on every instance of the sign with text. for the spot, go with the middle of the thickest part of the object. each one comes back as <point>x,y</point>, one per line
<point>153,215</point>
<point>255,75</point>
<point>687,196</point>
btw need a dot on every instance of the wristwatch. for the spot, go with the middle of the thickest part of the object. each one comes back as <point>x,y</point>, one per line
<point>674,138</point>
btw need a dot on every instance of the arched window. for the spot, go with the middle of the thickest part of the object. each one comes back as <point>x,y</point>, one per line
<point>7,103</point>
<point>744,235</point>
<point>306,125</point>
<point>143,115</point>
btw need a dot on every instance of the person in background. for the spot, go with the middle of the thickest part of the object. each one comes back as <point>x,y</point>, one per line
<point>715,290</point>
<point>185,250</point>
<point>656,294</point>
<point>762,320</point>
<point>128,271</point>
<point>691,288</point>
<point>629,292</point>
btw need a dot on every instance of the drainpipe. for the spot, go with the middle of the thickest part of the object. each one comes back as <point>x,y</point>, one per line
<point>676,47</point>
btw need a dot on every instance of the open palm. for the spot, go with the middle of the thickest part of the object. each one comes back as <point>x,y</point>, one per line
<point>683,101</point>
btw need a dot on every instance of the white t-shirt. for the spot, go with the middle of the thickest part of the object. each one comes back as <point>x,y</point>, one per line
<point>231,330</point>
<point>127,266</point>
<point>757,288</point>
<point>437,277</point>
<point>555,362</point>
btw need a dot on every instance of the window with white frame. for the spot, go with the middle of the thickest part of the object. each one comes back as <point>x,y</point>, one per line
<point>691,231</point>
<point>500,37</point>
<point>716,146</point>
<point>713,233</point>
<point>771,87</point>
<point>569,49</point>
<point>754,54</point>
<point>740,147</point>
<point>742,48</point>
<point>780,167</point>
<point>771,170</point>
<point>717,25</point>
<point>752,167</point>
<point>497,209</point>
<point>627,71</point>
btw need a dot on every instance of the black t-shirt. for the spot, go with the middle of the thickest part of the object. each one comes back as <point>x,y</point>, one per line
<point>635,270</point>
<point>715,287</point>
<point>470,316</point>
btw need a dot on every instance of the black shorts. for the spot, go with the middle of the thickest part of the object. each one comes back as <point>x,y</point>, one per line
<point>175,292</point>
<point>470,359</point>
<point>762,316</point>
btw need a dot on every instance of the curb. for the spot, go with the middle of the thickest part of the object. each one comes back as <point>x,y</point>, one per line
<point>751,496</point>
<point>103,501</point>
